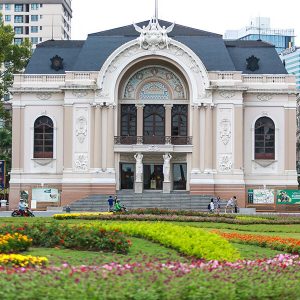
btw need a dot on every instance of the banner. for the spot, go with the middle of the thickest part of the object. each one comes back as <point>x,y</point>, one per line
<point>2,174</point>
<point>261,196</point>
<point>288,196</point>
<point>45,195</point>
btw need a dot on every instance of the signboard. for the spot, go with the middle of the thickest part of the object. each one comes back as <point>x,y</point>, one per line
<point>45,195</point>
<point>2,174</point>
<point>261,196</point>
<point>288,196</point>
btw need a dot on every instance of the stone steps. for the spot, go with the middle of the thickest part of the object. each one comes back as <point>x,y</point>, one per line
<point>174,200</point>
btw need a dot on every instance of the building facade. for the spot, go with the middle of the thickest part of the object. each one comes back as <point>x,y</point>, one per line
<point>154,106</point>
<point>260,29</point>
<point>38,20</point>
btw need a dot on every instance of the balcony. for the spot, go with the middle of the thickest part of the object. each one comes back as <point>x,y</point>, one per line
<point>150,140</point>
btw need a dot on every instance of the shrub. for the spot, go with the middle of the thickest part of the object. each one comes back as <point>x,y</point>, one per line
<point>17,260</point>
<point>75,237</point>
<point>187,240</point>
<point>12,243</point>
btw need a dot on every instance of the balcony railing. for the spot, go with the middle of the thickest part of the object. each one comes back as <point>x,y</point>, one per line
<point>160,140</point>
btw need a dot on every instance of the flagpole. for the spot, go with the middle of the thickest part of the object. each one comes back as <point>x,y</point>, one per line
<point>156,9</point>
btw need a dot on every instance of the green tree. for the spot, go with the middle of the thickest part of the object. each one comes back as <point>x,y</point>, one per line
<point>13,59</point>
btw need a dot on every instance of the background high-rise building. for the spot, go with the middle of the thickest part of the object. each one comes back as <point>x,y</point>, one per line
<point>38,20</point>
<point>260,29</point>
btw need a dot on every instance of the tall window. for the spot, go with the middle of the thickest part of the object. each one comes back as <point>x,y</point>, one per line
<point>128,120</point>
<point>34,18</point>
<point>18,7</point>
<point>19,19</point>
<point>154,124</point>
<point>264,138</point>
<point>43,138</point>
<point>179,120</point>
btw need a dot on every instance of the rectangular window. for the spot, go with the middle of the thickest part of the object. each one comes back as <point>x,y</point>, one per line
<point>7,6</point>
<point>1,6</point>
<point>41,27</point>
<point>19,19</point>
<point>18,7</point>
<point>41,5</point>
<point>34,29</point>
<point>41,39</point>
<point>34,40</point>
<point>7,18</point>
<point>41,16</point>
<point>18,41</point>
<point>34,6</point>
<point>18,30</point>
<point>179,176</point>
<point>34,18</point>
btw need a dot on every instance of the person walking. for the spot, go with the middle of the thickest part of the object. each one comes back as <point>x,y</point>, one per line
<point>110,203</point>
<point>218,205</point>
<point>211,205</point>
<point>230,205</point>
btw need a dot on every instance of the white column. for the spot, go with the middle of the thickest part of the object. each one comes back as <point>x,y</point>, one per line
<point>208,139</point>
<point>138,186</point>
<point>196,136</point>
<point>97,137</point>
<point>202,138</point>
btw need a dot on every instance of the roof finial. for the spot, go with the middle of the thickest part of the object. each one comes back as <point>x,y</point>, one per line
<point>156,9</point>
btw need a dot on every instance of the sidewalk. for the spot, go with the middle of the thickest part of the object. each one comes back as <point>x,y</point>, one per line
<point>36,213</point>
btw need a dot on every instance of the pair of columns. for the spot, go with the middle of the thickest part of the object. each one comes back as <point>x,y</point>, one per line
<point>139,172</point>
<point>140,119</point>
<point>104,137</point>
<point>203,138</point>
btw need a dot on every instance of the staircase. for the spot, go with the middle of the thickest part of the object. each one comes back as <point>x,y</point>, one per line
<point>174,200</point>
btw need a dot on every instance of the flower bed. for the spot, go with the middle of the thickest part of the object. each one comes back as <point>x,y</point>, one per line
<point>289,245</point>
<point>187,240</point>
<point>15,242</point>
<point>17,260</point>
<point>202,217</point>
<point>75,237</point>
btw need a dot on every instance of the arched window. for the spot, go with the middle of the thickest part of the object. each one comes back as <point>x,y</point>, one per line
<point>43,138</point>
<point>264,138</point>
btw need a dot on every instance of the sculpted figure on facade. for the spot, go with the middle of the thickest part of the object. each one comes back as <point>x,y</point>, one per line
<point>81,129</point>
<point>139,167</point>
<point>167,166</point>
<point>153,35</point>
<point>225,131</point>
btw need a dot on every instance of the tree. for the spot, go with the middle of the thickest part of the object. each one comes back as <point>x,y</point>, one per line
<point>13,59</point>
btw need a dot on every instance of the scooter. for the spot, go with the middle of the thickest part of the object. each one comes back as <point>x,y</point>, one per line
<point>25,213</point>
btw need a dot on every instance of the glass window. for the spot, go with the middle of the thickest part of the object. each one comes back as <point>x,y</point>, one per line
<point>34,6</point>
<point>41,5</point>
<point>18,30</point>
<point>34,40</point>
<point>41,27</point>
<point>43,138</point>
<point>264,139</point>
<point>18,7</point>
<point>1,6</point>
<point>127,176</point>
<point>18,41</point>
<point>18,19</point>
<point>7,6</point>
<point>7,18</point>
<point>34,29</point>
<point>34,18</point>
<point>128,120</point>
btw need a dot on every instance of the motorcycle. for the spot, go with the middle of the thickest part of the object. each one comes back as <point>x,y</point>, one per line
<point>25,213</point>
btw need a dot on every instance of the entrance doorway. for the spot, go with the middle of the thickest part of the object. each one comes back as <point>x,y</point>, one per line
<point>127,176</point>
<point>153,177</point>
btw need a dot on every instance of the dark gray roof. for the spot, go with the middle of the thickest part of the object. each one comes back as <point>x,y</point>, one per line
<point>215,53</point>
<point>178,30</point>
<point>40,62</point>
<point>269,61</point>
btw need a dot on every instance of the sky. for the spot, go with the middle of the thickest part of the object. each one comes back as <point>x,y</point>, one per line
<point>211,15</point>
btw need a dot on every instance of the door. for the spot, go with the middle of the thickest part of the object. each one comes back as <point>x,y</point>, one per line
<point>127,176</point>
<point>153,177</point>
<point>179,176</point>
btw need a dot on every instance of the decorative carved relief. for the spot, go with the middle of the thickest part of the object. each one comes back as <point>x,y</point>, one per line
<point>225,131</point>
<point>101,94</point>
<point>264,97</point>
<point>81,129</point>
<point>44,96</point>
<point>153,35</point>
<point>81,162</point>
<point>225,163</point>
<point>80,93</point>
<point>153,148</point>
<point>227,94</point>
